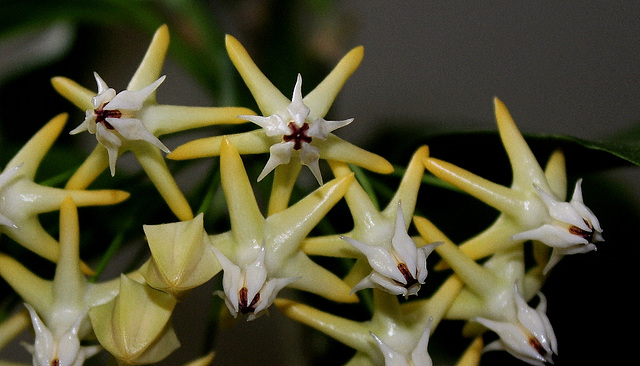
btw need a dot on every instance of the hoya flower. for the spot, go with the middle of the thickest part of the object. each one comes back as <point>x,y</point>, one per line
<point>133,121</point>
<point>532,207</point>
<point>419,356</point>
<point>295,132</point>
<point>399,267</point>
<point>247,290</point>
<point>134,326</point>
<point>284,133</point>
<point>573,228</point>
<point>180,256</point>
<point>59,349</point>
<point>58,308</point>
<point>396,334</point>
<point>495,296</point>
<point>259,256</point>
<point>22,200</point>
<point>379,238</point>
<point>114,119</point>
<point>530,337</point>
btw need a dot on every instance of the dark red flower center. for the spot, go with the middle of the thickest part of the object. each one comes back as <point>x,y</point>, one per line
<point>298,135</point>
<point>244,304</point>
<point>407,276</point>
<point>102,115</point>
<point>588,235</point>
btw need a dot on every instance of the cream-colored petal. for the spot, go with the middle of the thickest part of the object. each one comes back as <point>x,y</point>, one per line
<point>133,130</point>
<point>279,154</point>
<point>128,100</point>
<point>309,156</point>
<point>111,142</point>
<point>297,109</point>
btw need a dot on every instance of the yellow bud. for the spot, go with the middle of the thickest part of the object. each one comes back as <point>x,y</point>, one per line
<point>180,256</point>
<point>134,326</point>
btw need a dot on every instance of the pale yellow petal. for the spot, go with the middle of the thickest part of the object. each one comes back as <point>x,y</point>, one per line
<point>80,96</point>
<point>149,69</point>
<point>31,153</point>
<point>500,197</point>
<point>11,327</point>
<point>270,100</point>
<point>253,142</point>
<point>348,332</point>
<point>284,179</point>
<point>334,148</point>
<point>297,221</point>
<point>473,353</point>
<point>154,165</point>
<point>247,221</point>
<point>69,282</point>
<point>407,192</point>
<point>315,279</point>
<point>96,163</point>
<point>556,174</point>
<point>165,119</point>
<point>320,99</point>
<point>474,275</point>
<point>526,169</point>
<point>31,288</point>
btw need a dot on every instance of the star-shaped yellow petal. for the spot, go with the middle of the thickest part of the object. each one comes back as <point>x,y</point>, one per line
<point>59,307</point>
<point>157,119</point>
<point>521,205</point>
<point>371,226</point>
<point>23,199</point>
<point>278,236</point>
<point>273,104</point>
<point>399,326</point>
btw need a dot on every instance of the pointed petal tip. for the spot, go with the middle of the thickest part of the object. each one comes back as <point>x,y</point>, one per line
<point>356,54</point>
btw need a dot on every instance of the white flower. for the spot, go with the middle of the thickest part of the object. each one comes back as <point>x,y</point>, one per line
<point>573,228</point>
<point>529,337</point>
<point>247,290</point>
<point>399,267</point>
<point>296,132</point>
<point>419,355</point>
<point>113,119</point>
<point>60,347</point>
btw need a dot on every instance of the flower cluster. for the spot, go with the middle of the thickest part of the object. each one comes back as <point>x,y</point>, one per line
<point>265,251</point>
